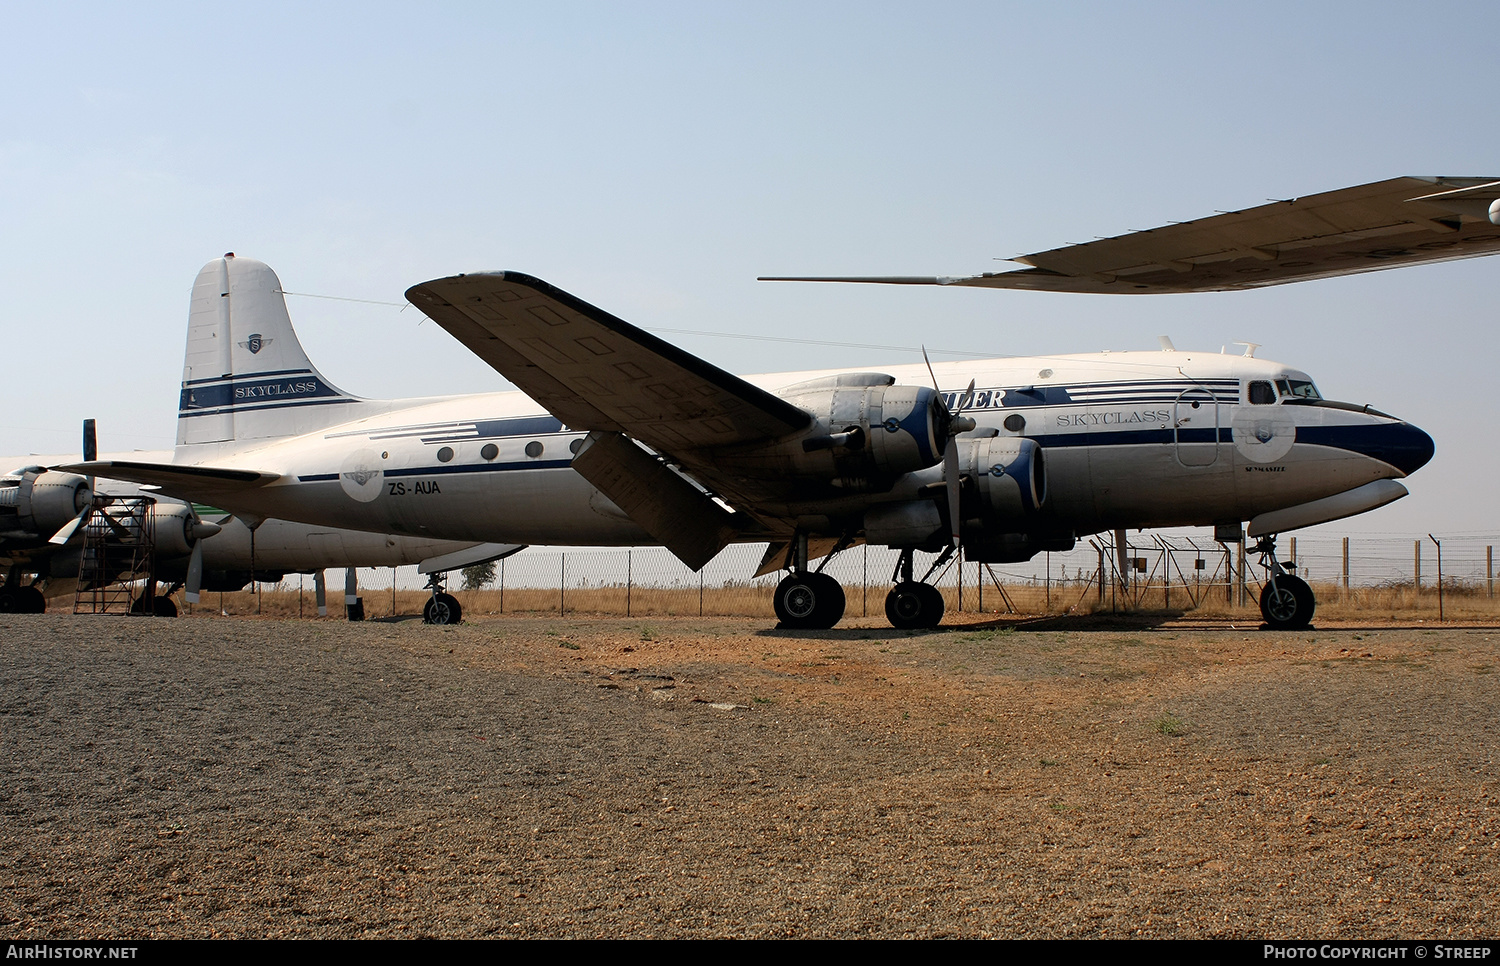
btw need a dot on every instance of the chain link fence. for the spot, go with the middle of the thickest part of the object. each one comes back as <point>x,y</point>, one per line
<point>1173,571</point>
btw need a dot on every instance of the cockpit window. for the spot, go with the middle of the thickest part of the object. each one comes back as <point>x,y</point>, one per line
<point>1261,394</point>
<point>1298,389</point>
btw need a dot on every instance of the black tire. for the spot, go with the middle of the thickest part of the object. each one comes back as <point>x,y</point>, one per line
<point>10,602</point>
<point>164,607</point>
<point>809,601</point>
<point>1287,603</point>
<point>356,610</point>
<point>33,601</point>
<point>442,609</point>
<point>911,605</point>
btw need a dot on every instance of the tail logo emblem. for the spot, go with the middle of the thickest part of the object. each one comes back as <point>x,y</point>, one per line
<point>255,343</point>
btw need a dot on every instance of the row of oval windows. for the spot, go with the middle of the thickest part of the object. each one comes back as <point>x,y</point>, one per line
<point>490,450</point>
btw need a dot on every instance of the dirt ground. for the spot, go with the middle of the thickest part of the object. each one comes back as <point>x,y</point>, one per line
<point>536,776</point>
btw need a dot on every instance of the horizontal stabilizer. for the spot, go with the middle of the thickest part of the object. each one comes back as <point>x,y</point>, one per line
<point>180,480</point>
<point>685,519</point>
<point>1368,228</point>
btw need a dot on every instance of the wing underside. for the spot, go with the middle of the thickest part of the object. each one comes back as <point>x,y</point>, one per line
<point>1369,228</point>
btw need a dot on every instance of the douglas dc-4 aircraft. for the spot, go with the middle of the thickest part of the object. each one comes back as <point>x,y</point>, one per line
<point>619,438</point>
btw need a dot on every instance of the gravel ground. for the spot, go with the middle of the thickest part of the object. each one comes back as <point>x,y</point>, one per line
<point>544,776</point>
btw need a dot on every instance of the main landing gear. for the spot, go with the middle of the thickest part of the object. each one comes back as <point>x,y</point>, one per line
<point>17,598</point>
<point>812,600</point>
<point>1286,602</point>
<point>808,600</point>
<point>441,608</point>
<point>914,604</point>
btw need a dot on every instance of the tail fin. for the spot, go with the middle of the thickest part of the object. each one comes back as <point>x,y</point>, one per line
<point>245,376</point>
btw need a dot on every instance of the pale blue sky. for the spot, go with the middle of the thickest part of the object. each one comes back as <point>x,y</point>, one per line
<point>655,158</point>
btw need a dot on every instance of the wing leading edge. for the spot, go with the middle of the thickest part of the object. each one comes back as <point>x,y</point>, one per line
<point>1369,228</point>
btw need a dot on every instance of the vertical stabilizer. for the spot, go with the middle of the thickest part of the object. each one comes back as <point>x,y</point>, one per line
<point>245,376</point>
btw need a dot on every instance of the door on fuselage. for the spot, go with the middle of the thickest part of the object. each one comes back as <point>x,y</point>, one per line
<point>1195,427</point>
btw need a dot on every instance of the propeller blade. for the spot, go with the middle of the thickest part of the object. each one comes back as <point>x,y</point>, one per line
<point>65,533</point>
<point>195,573</point>
<point>950,477</point>
<point>929,370</point>
<point>90,441</point>
<point>966,400</point>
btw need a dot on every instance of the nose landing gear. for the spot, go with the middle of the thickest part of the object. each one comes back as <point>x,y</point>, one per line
<point>1287,602</point>
<point>441,608</point>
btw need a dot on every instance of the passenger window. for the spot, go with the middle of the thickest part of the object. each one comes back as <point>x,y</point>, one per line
<point>1261,394</point>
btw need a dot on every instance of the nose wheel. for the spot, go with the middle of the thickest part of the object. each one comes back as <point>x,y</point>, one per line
<point>441,608</point>
<point>1286,602</point>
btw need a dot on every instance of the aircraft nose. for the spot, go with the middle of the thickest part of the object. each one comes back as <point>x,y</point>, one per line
<point>1402,445</point>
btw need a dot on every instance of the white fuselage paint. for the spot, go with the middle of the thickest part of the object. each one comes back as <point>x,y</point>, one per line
<point>1125,446</point>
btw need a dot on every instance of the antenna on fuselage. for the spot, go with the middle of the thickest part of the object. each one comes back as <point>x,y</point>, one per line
<point>1250,347</point>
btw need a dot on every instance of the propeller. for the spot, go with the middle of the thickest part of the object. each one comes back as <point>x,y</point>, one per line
<point>957,423</point>
<point>90,453</point>
<point>201,531</point>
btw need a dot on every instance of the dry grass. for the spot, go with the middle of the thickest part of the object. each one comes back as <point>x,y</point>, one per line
<point>1363,603</point>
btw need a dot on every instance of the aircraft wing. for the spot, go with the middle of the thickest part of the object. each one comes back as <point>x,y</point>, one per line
<point>1386,224</point>
<point>594,371</point>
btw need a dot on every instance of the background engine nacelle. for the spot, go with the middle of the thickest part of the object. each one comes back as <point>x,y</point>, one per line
<point>36,502</point>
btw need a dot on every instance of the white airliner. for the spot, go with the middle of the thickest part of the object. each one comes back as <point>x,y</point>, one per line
<point>619,438</point>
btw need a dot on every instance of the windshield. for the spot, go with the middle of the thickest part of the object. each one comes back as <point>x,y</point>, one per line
<point>1297,389</point>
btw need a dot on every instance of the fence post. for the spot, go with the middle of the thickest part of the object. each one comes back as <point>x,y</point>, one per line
<point>1489,570</point>
<point>562,586</point>
<point>628,576</point>
<point>502,585</point>
<point>700,592</point>
<point>1346,566</point>
<point>865,589</point>
<point>1292,556</point>
<point>1416,565</point>
<point>1440,575</point>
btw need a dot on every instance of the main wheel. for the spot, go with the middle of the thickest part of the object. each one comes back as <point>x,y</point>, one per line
<point>810,601</point>
<point>32,600</point>
<point>442,609</point>
<point>164,607</point>
<point>1287,603</point>
<point>10,602</point>
<point>911,605</point>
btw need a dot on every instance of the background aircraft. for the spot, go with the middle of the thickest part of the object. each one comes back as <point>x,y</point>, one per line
<point>44,515</point>
<point>670,449</point>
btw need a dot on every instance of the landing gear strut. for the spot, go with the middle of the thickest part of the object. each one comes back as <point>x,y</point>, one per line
<point>914,604</point>
<point>441,608</point>
<point>807,600</point>
<point>1287,602</point>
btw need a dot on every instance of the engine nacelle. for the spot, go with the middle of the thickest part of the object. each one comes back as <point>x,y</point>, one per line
<point>867,431</point>
<point>1010,474</point>
<point>38,502</point>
